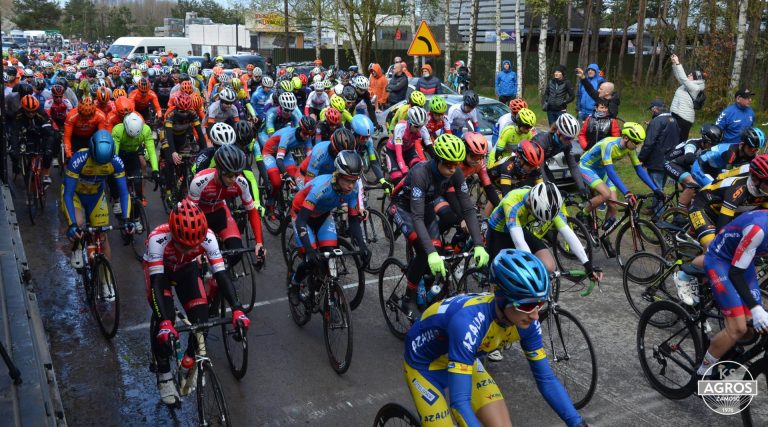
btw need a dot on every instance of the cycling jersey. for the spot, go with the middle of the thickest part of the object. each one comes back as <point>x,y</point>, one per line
<point>507,142</point>
<point>597,163</point>
<point>324,131</point>
<point>316,101</point>
<point>437,127</point>
<point>143,100</point>
<point>143,143</point>
<point>678,162</point>
<point>320,160</point>
<point>346,117</point>
<point>216,114</point>
<point>84,186</point>
<point>82,128</point>
<point>258,99</point>
<point>405,140</point>
<point>719,158</point>
<point>162,256</point>
<point>58,111</point>
<point>319,197</point>
<point>275,120</point>
<point>443,345</point>
<point>400,114</point>
<point>163,90</point>
<point>459,119</point>
<point>508,171</point>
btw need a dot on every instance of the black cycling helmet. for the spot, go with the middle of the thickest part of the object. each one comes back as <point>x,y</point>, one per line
<point>349,94</point>
<point>244,132</point>
<point>342,139</point>
<point>471,99</point>
<point>348,163</point>
<point>24,89</point>
<point>308,124</point>
<point>711,134</point>
<point>229,159</point>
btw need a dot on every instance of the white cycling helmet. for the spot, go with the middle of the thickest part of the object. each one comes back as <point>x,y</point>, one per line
<point>227,95</point>
<point>287,101</point>
<point>225,78</point>
<point>568,126</point>
<point>222,134</point>
<point>267,81</point>
<point>101,55</point>
<point>83,64</point>
<point>257,72</point>
<point>28,72</point>
<point>316,70</point>
<point>317,78</point>
<point>338,89</point>
<point>319,86</point>
<point>545,200</point>
<point>192,71</point>
<point>133,124</point>
<point>143,67</point>
<point>360,82</point>
<point>417,116</point>
<point>99,74</point>
<point>71,69</point>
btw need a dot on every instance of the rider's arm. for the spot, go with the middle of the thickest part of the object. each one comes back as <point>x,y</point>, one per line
<point>149,147</point>
<point>216,262</point>
<point>201,144</point>
<point>122,186</point>
<point>734,197</point>
<point>419,185</point>
<point>426,141</point>
<point>397,140</point>
<point>641,172</point>
<point>753,236</point>
<point>250,206</point>
<point>570,237</point>
<point>467,207</point>
<point>514,226</point>
<point>69,125</point>
<point>71,176</point>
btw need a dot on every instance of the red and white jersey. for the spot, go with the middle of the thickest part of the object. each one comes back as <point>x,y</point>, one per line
<point>210,195</point>
<point>161,255</point>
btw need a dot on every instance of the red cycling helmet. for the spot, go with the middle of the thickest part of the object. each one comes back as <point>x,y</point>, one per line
<point>758,167</point>
<point>57,90</point>
<point>186,87</point>
<point>476,143</point>
<point>188,224</point>
<point>184,102</point>
<point>304,79</point>
<point>517,104</point>
<point>332,116</point>
<point>531,152</point>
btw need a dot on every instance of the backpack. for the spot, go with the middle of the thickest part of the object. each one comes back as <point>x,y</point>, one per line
<point>698,102</point>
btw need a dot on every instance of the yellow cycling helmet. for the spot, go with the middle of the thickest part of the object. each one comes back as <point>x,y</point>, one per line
<point>450,148</point>
<point>418,99</point>
<point>338,103</point>
<point>286,85</point>
<point>236,83</point>
<point>525,117</point>
<point>633,131</point>
<point>296,83</point>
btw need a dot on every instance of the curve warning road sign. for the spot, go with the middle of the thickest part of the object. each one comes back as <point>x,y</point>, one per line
<point>424,43</point>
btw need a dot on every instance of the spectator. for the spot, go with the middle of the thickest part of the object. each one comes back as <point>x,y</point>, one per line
<point>506,83</point>
<point>682,103</point>
<point>605,90</point>
<point>586,105</point>
<point>662,135</point>
<point>378,85</point>
<point>269,68</point>
<point>598,125</point>
<point>558,95</point>
<point>207,63</point>
<point>736,117</point>
<point>451,78</point>
<point>405,69</point>
<point>398,85</point>
<point>427,83</point>
<point>390,70</point>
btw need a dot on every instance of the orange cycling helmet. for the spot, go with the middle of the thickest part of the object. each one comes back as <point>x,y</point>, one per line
<point>86,107</point>
<point>30,103</point>
<point>143,85</point>
<point>103,95</point>
<point>531,152</point>
<point>117,93</point>
<point>476,143</point>
<point>186,87</point>
<point>188,224</point>
<point>124,106</point>
<point>517,104</point>
<point>184,102</point>
<point>197,101</point>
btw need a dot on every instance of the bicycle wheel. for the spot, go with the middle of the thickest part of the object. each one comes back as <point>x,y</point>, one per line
<point>394,415</point>
<point>392,284</point>
<point>669,356</point>
<point>106,309</point>
<point>646,237</point>
<point>235,346</point>
<point>337,329</point>
<point>474,280</point>
<point>287,241</point>
<point>379,238</point>
<point>243,279</point>
<point>756,413</point>
<point>301,312</point>
<point>274,218</point>
<point>564,254</point>
<point>30,179</point>
<point>138,240</point>
<point>571,356</point>
<point>351,275</point>
<point>645,278</point>
<point>211,405</point>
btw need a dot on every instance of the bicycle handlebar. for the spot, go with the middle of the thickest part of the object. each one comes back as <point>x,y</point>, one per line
<point>337,253</point>
<point>194,327</point>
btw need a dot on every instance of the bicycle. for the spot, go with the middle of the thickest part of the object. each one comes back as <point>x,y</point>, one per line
<point>200,378</point>
<point>278,209</point>
<point>394,414</point>
<point>324,294</point>
<point>561,250</point>
<point>30,165</point>
<point>138,217</point>
<point>170,195</point>
<point>393,283</point>
<point>101,292</point>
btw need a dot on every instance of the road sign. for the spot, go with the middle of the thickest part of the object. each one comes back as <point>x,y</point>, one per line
<point>424,43</point>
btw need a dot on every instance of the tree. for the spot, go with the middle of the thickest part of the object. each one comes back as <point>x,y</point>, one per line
<point>623,48</point>
<point>543,77</point>
<point>682,23</point>
<point>76,19</point>
<point>518,52</point>
<point>498,35</point>
<point>474,10</point>
<point>637,74</point>
<point>36,14</point>
<point>447,53</point>
<point>584,48</point>
<point>740,38</point>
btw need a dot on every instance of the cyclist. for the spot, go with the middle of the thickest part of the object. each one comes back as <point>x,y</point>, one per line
<point>464,114</point>
<point>285,115</point>
<point>220,134</point>
<point>332,122</point>
<point>361,83</point>
<point>338,103</point>
<point>81,123</point>
<point>596,166</point>
<point>679,161</point>
<point>515,105</point>
<point>83,199</point>
<point>223,110</point>
<point>313,224</point>
<point>144,97</point>
<point>279,153</point>
<point>171,261</point>
<point>412,211</point>
<point>416,99</point>
<point>36,127</point>
<point>211,188</point>
<point>521,129</point>
<point>560,139</point>
<point>363,128</point>
<point>104,101</point>
<point>437,123</point>
<point>261,95</point>
<point>317,100</point>
<point>134,144</point>
<point>727,156</point>
<point>403,147</point>
<point>162,87</point>
<point>123,107</point>
<point>521,167</point>
<point>181,123</point>
<point>57,108</point>
<point>321,160</point>
<point>253,78</point>
<point>442,349</point>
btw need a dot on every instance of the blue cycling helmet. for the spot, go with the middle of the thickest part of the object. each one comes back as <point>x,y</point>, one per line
<point>362,125</point>
<point>519,277</point>
<point>101,147</point>
<point>754,137</point>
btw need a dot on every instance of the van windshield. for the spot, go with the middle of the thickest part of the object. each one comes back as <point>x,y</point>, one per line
<point>120,50</point>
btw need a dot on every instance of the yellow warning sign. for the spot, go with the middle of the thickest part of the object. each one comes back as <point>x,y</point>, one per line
<point>424,43</point>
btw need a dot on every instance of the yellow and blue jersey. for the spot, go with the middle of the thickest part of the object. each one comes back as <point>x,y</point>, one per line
<point>605,152</point>
<point>512,211</point>
<point>85,178</point>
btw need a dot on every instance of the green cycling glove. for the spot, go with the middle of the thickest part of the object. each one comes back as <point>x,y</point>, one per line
<point>481,256</point>
<point>436,264</point>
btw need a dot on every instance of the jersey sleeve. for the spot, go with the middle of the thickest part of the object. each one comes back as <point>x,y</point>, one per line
<point>213,253</point>
<point>156,244</point>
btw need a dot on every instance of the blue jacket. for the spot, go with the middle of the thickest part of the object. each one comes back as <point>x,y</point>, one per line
<point>732,120</point>
<point>586,103</point>
<point>506,81</point>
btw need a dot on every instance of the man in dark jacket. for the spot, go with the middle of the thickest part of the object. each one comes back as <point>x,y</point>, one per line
<point>398,85</point>
<point>661,136</point>
<point>604,90</point>
<point>427,83</point>
<point>558,95</point>
<point>269,67</point>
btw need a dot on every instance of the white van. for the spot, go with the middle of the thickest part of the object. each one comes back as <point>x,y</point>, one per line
<point>125,46</point>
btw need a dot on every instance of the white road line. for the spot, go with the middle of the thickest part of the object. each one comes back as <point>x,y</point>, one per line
<point>145,325</point>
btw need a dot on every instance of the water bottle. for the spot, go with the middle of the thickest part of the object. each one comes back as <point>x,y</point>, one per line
<point>605,240</point>
<point>77,257</point>
<point>434,291</point>
<point>421,293</point>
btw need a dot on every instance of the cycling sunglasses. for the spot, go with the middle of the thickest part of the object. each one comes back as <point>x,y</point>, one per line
<point>527,307</point>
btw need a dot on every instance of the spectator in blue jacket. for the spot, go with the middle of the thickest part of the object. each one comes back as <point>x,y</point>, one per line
<point>586,104</point>
<point>736,117</point>
<point>506,83</point>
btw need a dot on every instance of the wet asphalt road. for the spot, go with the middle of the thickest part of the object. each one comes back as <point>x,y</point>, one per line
<point>289,380</point>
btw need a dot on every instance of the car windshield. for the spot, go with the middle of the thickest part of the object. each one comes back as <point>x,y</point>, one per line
<point>488,115</point>
<point>120,50</point>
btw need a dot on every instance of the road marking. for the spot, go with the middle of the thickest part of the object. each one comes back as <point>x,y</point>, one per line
<point>145,325</point>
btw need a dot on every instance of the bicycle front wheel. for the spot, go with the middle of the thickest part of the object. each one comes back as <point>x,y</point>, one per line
<point>139,239</point>
<point>564,253</point>
<point>351,275</point>
<point>756,412</point>
<point>644,237</point>
<point>235,346</point>
<point>211,405</point>
<point>337,329</point>
<point>474,280</point>
<point>645,278</point>
<point>243,277</point>
<point>669,355</point>
<point>379,238</point>
<point>106,300</point>
<point>394,415</point>
<point>571,356</point>
<point>392,285</point>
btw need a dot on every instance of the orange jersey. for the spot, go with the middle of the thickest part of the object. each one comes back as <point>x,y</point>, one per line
<point>106,108</point>
<point>113,119</point>
<point>142,100</point>
<point>78,125</point>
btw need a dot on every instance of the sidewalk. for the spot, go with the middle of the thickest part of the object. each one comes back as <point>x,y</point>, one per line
<point>35,402</point>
